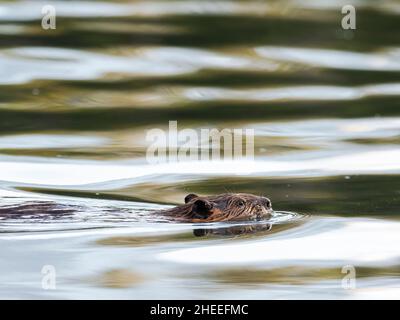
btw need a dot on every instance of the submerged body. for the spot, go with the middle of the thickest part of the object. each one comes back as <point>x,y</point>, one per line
<point>223,207</point>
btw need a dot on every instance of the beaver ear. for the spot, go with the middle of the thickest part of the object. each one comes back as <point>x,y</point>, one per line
<point>190,197</point>
<point>202,208</point>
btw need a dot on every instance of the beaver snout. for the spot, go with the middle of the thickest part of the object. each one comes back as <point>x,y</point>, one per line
<point>263,208</point>
<point>263,204</point>
<point>259,209</point>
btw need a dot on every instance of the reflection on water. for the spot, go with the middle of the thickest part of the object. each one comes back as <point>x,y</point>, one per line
<point>76,190</point>
<point>296,275</point>
<point>335,59</point>
<point>118,278</point>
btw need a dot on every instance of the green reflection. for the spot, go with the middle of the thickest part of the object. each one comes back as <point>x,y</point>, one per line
<point>296,275</point>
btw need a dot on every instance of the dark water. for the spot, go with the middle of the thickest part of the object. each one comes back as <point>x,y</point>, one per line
<point>75,104</point>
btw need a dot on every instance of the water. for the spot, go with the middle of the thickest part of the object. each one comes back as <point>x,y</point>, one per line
<point>75,104</point>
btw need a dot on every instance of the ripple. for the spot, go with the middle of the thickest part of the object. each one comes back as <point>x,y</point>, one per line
<point>336,59</point>
<point>295,93</point>
<point>78,173</point>
<point>319,242</point>
<point>22,65</point>
<point>332,129</point>
<point>28,10</point>
<point>30,218</point>
<point>24,219</point>
<point>39,141</point>
<point>83,96</point>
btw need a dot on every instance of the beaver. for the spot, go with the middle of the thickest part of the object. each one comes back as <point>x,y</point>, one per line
<point>223,207</point>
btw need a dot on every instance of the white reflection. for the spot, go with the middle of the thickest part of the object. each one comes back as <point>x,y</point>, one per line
<point>332,59</point>
<point>293,93</point>
<point>42,141</point>
<point>30,10</point>
<point>75,172</point>
<point>323,241</point>
<point>25,64</point>
<point>332,129</point>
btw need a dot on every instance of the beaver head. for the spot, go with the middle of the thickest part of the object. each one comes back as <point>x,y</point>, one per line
<point>223,207</point>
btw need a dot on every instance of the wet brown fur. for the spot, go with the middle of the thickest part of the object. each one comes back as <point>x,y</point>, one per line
<point>223,207</point>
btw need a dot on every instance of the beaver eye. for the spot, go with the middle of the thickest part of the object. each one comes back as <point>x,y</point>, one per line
<point>241,203</point>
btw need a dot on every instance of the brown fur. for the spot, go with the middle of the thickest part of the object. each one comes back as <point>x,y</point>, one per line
<point>223,207</point>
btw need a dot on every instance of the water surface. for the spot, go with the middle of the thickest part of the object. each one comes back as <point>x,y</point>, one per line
<point>75,104</point>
